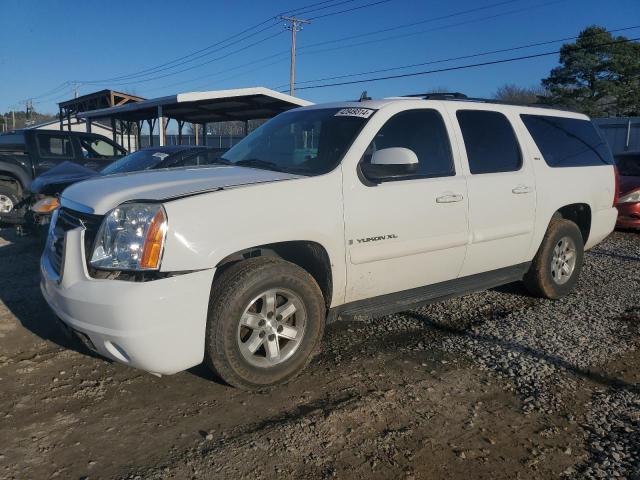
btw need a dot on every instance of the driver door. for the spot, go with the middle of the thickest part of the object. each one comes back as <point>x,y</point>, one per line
<point>407,232</point>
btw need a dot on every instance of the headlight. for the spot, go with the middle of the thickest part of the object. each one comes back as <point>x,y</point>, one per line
<point>45,205</point>
<point>633,197</point>
<point>131,237</point>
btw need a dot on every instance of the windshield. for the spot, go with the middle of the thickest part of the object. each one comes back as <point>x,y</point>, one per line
<point>304,142</point>
<point>628,165</point>
<point>136,161</point>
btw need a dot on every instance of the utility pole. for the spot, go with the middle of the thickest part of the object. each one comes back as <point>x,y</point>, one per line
<point>295,25</point>
<point>13,119</point>
<point>75,89</point>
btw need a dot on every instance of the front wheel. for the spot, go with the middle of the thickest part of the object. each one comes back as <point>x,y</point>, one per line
<point>266,319</point>
<point>556,267</point>
<point>9,199</point>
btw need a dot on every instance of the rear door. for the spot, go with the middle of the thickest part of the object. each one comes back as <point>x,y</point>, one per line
<point>52,149</point>
<point>408,232</point>
<point>501,186</point>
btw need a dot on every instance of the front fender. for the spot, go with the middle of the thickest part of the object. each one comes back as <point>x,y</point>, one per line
<point>18,168</point>
<point>205,229</point>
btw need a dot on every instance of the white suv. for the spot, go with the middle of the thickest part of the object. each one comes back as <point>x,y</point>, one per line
<point>360,207</point>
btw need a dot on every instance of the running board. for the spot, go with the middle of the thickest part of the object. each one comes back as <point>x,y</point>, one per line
<point>409,299</point>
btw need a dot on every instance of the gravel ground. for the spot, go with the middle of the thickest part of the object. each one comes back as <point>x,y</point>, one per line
<point>495,383</point>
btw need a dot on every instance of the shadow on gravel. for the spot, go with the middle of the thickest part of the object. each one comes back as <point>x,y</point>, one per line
<point>615,255</point>
<point>20,290</point>
<point>592,375</point>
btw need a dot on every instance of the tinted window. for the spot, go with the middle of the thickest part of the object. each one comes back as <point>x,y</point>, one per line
<point>567,142</point>
<point>423,132</point>
<point>136,161</point>
<point>98,148</point>
<point>490,142</point>
<point>194,159</point>
<point>55,146</point>
<point>628,165</point>
<point>12,140</point>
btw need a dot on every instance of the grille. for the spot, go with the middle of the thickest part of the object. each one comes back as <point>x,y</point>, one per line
<point>70,220</point>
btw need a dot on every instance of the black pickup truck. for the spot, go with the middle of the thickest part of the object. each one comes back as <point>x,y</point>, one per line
<point>25,154</point>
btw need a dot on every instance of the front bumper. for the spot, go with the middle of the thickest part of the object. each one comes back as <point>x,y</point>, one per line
<point>628,215</point>
<point>158,326</point>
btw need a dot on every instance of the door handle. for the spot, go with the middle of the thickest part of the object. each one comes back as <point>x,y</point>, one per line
<point>449,198</point>
<point>520,189</point>
<point>92,165</point>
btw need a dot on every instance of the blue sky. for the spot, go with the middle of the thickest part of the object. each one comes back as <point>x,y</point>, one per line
<point>45,43</point>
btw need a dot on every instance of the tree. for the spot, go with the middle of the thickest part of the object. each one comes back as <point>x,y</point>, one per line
<point>514,94</point>
<point>596,75</point>
<point>21,119</point>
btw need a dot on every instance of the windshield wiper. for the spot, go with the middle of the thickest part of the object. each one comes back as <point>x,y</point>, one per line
<point>257,163</point>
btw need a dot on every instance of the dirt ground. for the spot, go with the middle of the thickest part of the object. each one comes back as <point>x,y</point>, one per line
<point>494,385</point>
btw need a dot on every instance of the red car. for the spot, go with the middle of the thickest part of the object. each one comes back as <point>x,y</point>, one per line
<point>629,188</point>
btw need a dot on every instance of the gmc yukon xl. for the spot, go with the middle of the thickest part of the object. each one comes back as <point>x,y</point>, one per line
<point>366,207</point>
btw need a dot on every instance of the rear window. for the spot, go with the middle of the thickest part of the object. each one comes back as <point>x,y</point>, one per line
<point>490,142</point>
<point>12,140</point>
<point>568,142</point>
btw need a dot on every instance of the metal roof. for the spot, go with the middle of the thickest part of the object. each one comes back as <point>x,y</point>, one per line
<point>204,107</point>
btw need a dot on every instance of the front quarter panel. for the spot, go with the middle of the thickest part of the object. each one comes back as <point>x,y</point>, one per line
<point>204,229</point>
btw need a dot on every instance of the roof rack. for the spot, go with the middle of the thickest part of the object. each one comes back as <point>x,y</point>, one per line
<point>439,96</point>
<point>461,97</point>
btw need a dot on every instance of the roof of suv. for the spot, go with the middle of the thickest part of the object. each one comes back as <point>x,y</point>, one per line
<point>377,104</point>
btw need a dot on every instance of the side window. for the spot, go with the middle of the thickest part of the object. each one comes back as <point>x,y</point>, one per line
<point>567,142</point>
<point>423,132</point>
<point>55,146</point>
<point>490,142</point>
<point>98,148</point>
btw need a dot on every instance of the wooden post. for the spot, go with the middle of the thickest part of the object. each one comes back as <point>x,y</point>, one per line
<point>61,122</point>
<point>113,130</point>
<point>139,134</point>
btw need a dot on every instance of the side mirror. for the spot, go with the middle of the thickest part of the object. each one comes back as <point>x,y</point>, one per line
<point>390,163</point>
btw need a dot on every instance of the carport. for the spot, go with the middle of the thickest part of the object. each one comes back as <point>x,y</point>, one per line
<point>198,108</point>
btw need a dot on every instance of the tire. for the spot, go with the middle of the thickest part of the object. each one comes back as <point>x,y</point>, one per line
<point>237,301</point>
<point>547,277</point>
<point>9,200</point>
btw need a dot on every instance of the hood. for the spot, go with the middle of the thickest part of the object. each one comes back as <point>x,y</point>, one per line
<point>104,193</point>
<point>628,183</point>
<point>55,180</point>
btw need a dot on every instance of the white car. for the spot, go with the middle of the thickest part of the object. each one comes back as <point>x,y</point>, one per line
<point>360,207</point>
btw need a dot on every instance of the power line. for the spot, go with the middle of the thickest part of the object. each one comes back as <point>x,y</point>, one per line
<point>196,54</point>
<point>202,64</point>
<point>450,59</point>
<point>431,19</point>
<point>206,51</point>
<point>461,67</point>
<point>420,32</point>
<point>412,24</point>
<point>155,69</point>
<point>366,5</point>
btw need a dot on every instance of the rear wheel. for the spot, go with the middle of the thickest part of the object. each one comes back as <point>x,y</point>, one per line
<point>556,267</point>
<point>266,319</point>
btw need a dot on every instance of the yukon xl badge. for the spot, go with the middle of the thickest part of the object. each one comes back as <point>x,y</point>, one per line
<point>391,236</point>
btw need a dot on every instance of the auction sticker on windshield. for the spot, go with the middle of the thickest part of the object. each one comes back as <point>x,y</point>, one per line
<point>355,112</point>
